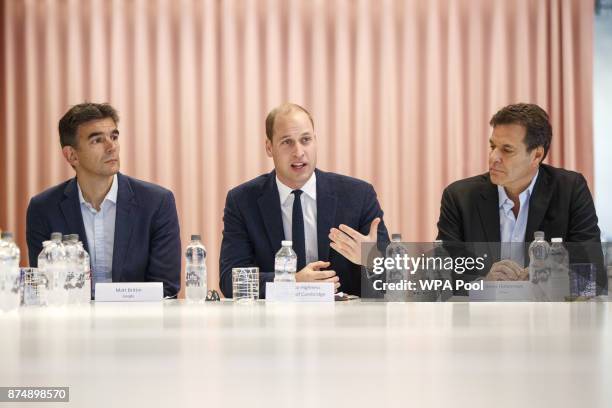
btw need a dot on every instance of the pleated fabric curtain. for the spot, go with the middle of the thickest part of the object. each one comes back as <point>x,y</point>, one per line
<point>401,92</point>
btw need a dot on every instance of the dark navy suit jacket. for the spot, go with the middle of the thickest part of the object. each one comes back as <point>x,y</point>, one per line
<point>253,226</point>
<point>147,246</point>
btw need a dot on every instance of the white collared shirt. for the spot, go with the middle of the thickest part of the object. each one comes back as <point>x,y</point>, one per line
<point>512,229</point>
<point>100,231</point>
<point>309,212</point>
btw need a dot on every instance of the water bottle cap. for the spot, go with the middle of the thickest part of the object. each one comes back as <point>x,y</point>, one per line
<point>396,237</point>
<point>196,237</point>
<point>538,235</point>
<point>287,243</point>
<point>66,238</point>
<point>56,236</point>
<point>7,235</point>
<point>556,240</point>
<point>73,237</point>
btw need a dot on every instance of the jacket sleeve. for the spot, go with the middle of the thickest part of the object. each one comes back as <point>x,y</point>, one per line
<point>584,235</point>
<point>449,222</point>
<point>37,231</point>
<point>236,248</point>
<point>165,250</point>
<point>582,218</point>
<point>371,209</point>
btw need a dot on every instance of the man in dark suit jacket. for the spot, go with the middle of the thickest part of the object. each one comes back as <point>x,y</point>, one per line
<point>520,195</point>
<point>332,216</point>
<point>129,227</point>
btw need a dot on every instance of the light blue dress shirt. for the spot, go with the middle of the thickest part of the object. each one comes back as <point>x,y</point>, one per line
<point>100,231</point>
<point>512,229</point>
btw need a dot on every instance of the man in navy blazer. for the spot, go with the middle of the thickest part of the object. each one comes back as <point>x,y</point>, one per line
<point>327,216</point>
<point>129,227</point>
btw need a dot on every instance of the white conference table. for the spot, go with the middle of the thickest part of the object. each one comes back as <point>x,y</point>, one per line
<point>175,354</point>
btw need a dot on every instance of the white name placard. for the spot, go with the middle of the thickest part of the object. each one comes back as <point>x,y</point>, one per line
<point>129,292</point>
<point>299,292</point>
<point>508,291</point>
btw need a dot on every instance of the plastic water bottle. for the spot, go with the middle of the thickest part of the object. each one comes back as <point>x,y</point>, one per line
<point>10,278</point>
<point>3,245</point>
<point>42,258</point>
<point>608,263</point>
<point>3,294</point>
<point>55,270</point>
<point>539,249</point>
<point>396,275</point>
<point>285,263</point>
<point>83,283</point>
<point>195,274</point>
<point>444,275</point>
<point>39,293</point>
<point>557,288</point>
<point>73,269</point>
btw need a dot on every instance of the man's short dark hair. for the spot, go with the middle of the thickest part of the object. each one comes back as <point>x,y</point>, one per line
<point>83,113</point>
<point>533,118</point>
<point>283,109</point>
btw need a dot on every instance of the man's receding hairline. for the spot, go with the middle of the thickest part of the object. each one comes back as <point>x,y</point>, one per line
<point>286,112</point>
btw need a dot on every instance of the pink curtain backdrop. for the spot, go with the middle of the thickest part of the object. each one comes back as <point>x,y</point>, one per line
<point>401,92</point>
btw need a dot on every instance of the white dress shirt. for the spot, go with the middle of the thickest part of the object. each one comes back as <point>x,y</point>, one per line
<point>100,231</point>
<point>512,229</point>
<point>309,212</point>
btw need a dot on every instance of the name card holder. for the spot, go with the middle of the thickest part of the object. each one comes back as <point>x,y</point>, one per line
<point>505,291</point>
<point>129,292</point>
<point>299,292</point>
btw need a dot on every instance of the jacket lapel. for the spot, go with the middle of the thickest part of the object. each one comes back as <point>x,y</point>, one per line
<point>538,203</point>
<point>326,213</point>
<point>124,224</point>
<point>270,210</point>
<point>71,209</point>
<point>488,210</point>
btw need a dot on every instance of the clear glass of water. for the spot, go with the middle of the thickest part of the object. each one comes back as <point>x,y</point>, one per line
<point>583,282</point>
<point>35,287</point>
<point>245,284</point>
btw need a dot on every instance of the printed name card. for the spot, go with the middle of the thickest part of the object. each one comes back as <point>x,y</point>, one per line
<point>299,292</point>
<point>129,292</point>
<point>505,291</point>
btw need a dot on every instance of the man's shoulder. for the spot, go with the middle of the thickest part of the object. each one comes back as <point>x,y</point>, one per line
<point>561,175</point>
<point>143,190</point>
<point>469,185</point>
<point>252,187</point>
<point>51,195</point>
<point>341,183</point>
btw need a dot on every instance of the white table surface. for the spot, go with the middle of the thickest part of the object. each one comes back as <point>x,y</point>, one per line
<point>345,354</point>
